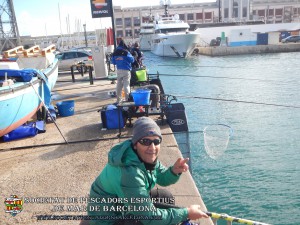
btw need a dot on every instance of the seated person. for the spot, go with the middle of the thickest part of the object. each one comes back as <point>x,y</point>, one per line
<point>120,195</point>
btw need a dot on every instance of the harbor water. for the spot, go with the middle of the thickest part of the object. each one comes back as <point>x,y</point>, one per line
<point>258,176</point>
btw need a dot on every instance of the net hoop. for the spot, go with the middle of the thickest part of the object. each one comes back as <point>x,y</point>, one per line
<point>216,139</point>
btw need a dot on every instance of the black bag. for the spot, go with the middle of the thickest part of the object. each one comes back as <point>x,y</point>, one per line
<point>133,79</point>
<point>176,117</point>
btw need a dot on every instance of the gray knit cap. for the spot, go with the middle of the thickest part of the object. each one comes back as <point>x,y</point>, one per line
<point>143,127</point>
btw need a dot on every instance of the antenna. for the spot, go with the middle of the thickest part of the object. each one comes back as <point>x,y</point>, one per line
<point>166,3</point>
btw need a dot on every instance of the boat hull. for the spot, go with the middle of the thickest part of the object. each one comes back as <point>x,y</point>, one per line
<point>174,45</point>
<point>145,42</point>
<point>19,103</point>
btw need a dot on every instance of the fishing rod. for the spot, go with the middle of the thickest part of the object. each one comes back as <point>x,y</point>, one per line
<point>59,143</point>
<point>212,215</point>
<point>238,101</point>
<point>234,219</point>
<point>218,77</point>
<point>227,218</point>
<point>80,141</point>
<point>202,66</point>
<point>49,112</point>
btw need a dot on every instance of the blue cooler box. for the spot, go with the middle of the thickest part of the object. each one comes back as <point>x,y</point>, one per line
<point>110,120</point>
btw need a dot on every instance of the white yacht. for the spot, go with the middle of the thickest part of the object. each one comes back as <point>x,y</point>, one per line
<point>146,32</point>
<point>172,36</point>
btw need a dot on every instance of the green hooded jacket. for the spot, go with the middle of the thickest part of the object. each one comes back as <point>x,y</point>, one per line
<point>122,190</point>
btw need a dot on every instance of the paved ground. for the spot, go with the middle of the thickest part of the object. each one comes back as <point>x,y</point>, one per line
<point>66,171</point>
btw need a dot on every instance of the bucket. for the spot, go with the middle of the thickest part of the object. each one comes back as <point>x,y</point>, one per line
<point>65,108</point>
<point>141,75</point>
<point>141,96</point>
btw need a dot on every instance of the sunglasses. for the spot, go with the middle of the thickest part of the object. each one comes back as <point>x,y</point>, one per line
<point>148,142</point>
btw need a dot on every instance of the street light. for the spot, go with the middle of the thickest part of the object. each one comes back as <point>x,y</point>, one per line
<point>85,38</point>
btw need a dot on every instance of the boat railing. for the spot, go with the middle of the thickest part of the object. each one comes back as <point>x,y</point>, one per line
<point>170,21</point>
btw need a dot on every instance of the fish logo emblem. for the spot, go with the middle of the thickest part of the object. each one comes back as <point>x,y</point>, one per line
<point>14,205</point>
<point>99,3</point>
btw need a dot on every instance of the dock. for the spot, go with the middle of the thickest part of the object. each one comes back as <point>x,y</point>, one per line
<point>54,177</point>
<point>242,50</point>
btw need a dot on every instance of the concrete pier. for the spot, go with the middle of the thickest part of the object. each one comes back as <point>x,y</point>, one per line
<point>242,50</point>
<point>46,166</point>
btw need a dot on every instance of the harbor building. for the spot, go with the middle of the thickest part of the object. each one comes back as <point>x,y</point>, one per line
<point>222,12</point>
<point>128,20</point>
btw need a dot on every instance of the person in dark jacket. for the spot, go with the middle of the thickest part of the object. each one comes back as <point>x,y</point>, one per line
<point>137,54</point>
<point>121,193</point>
<point>123,59</point>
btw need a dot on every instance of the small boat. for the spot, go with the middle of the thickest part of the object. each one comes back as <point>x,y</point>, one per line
<point>26,80</point>
<point>172,36</point>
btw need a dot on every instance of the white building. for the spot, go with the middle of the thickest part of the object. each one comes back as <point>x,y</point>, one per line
<point>128,20</point>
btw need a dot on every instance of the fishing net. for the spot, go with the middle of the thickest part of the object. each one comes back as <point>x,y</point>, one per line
<point>216,139</point>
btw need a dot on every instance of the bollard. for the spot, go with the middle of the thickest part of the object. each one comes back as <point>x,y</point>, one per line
<point>72,73</point>
<point>91,75</point>
<point>82,67</point>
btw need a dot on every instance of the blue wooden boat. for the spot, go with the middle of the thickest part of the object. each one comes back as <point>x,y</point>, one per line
<point>27,77</point>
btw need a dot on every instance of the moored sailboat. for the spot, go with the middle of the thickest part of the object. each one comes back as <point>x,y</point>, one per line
<point>27,77</point>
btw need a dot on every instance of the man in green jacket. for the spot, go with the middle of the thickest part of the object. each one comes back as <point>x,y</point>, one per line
<point>121,193</point>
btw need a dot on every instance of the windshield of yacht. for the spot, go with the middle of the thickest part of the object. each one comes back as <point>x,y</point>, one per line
<point>171,30</point>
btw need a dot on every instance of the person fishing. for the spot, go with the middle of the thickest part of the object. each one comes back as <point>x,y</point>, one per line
<point>123,59</point>
<point>137,54</point>
<point>124,191</point>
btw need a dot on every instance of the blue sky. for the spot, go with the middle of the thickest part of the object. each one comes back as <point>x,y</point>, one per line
<point>41,17</point>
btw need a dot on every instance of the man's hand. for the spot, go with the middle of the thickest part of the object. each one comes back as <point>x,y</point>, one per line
<point>180,166</point>
<point>194,212</point>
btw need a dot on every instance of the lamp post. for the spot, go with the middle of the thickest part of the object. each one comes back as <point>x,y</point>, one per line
<point>85,38</point>
<point>220,11</point>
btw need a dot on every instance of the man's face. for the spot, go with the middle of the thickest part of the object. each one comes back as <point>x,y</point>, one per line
<point>148,148</point>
